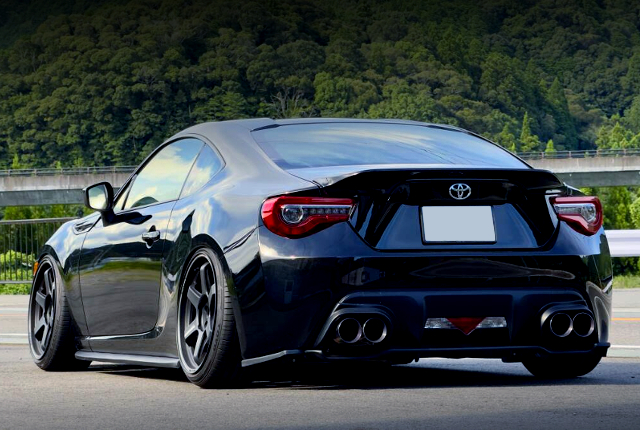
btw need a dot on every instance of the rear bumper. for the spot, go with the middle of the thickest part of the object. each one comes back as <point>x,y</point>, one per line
<point>526,312</point>
<point>286,302</point>
<point>506,353</point>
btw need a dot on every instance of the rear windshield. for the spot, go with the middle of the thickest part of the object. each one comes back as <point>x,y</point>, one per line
<point>359,143</point>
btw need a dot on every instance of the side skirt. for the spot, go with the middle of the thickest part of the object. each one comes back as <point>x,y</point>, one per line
<point>138,360</point>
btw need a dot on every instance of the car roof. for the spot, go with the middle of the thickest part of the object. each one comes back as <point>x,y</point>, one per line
<point>300,121</point>
<point>262,123</point>
<point>234,138</point>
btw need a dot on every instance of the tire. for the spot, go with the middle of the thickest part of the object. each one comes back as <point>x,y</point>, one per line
<point>207,339</point>
<point>561,367</point>
<point>51,331</point>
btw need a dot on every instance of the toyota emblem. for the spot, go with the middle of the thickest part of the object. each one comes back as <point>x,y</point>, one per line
<point>460,191</point>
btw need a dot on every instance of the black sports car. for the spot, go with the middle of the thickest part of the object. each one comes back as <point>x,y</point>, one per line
<point>242,242</point>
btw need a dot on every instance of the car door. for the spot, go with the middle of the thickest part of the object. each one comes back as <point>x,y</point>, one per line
<point>121,262</point>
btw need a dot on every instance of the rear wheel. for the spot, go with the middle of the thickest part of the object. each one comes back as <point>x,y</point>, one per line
<point>207,338</point>
<point>51,334</point>
<point>561,367</point>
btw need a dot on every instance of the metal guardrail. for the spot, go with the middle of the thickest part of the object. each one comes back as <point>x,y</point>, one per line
<point>537,155</point>
<point>624,243</point>
<point>22,240</point>
<point>67,171</point>
<point>591,153</point>
<point>20,243</point>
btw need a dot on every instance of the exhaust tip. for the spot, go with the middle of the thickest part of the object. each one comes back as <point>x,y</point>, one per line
<point>583,324</point>
<point>374,330</point>
<point>348,330</point>
<point>561,324</point>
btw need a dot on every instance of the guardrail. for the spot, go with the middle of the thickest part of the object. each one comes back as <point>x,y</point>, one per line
<point>20,243</point>
<point>624,243</point>
<point>68,171</point>
<point>590,153</point>
<point>537,155</point>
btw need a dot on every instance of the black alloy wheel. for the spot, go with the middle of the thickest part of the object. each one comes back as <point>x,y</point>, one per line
<point>207,339</point>
<point>52,335</point>
<point>198,312</point>
<point>43,310</point>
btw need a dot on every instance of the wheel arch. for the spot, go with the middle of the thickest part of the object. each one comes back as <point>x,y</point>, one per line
<point>67,268</point>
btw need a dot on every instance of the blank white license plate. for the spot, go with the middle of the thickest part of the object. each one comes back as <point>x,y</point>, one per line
<point>458,224</point>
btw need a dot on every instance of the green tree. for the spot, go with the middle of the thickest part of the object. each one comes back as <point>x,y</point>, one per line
<point>634,210</point>
<point>550,149</point>
<point>528,140</point>
<point>565,130</point>
<point>507,139</point>
<point>632,116</point>
<point>617,214</point>
<point>109,82</point>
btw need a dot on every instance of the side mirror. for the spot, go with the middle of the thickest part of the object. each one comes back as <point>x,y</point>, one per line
<point>99,197</point>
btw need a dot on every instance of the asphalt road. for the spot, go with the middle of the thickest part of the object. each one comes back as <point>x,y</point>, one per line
<point>434,393</point>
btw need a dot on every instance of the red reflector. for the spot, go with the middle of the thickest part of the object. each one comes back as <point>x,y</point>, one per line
<point>466,324</point>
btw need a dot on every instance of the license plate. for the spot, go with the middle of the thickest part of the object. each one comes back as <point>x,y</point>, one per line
<point>458,224</point>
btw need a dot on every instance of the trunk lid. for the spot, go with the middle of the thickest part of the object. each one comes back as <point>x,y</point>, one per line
<point>390,202</point>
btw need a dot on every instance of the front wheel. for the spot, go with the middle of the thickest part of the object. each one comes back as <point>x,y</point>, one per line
<point>561,367</point>
<point>51,334</point>
<point>207,339</point>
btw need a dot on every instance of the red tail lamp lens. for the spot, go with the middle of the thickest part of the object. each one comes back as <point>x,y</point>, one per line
<point>290,216</point>
<point>583,214</point>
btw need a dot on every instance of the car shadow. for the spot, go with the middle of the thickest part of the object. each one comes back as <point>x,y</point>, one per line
<point>139,372</point>
<point>425,374</point>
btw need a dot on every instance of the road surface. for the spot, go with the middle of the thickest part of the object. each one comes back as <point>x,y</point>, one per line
<point>434,393</point>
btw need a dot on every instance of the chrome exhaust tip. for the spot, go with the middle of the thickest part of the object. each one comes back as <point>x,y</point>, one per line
<point>583,324</point>
<point>348,330</point>
<point>374,330</point>
<point>561,324</point>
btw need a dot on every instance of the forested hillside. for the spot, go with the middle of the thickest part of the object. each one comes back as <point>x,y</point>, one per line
<point>104,82</point>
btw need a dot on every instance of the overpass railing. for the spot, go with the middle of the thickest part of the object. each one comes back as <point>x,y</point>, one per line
<point>68,171</point>
<point>535,155</point>
<point>590,153</point>
<point>20,244</point>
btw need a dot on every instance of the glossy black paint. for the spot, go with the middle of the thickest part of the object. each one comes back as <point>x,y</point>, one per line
<point>120,272</point>
<point>123,292</point>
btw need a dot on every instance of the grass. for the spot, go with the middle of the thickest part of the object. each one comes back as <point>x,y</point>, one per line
<point>619,281</point>
<point>626,281</point>
<point>15,288</point>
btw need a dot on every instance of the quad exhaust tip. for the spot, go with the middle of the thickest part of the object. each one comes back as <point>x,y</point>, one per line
<point>562,325</point>
<point>349,331</point>
<point>374,330</point>
<point>583,324</point>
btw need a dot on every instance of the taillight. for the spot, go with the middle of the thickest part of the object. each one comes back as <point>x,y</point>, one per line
<point>291,216</point>
<point>583,214</point>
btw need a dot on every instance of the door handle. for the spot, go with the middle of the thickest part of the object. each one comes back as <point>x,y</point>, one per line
<point>151,236</point>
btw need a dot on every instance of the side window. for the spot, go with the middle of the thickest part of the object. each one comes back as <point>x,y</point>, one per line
<point>121,196</point>
<point>161,179</point>
<point>206,166</point>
